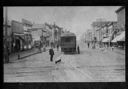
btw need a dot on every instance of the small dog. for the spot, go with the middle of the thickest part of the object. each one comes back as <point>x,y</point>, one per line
<point>58,60</point>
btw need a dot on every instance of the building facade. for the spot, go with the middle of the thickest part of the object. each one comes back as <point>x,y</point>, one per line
<point>54,32</point>
<point>18,36</point>
<point>121,17</point>
<point>89,35</point>
<point>119,38</point>
<point>28,37</point>
<point>40,33</point>
<point>36,31</point>
<point>104,31</point>
<point>7,27</point>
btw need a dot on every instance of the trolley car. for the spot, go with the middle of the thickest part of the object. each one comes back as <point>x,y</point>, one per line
<point>68,42</point>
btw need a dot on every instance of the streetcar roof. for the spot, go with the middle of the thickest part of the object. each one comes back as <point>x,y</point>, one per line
<point>67,34</point>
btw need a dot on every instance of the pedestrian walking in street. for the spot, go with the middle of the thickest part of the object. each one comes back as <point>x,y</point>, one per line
<point>40,49</point>
<point>51,53</point>
<point>78,49</point>
<point>88,44</point>
<point>40,46</point>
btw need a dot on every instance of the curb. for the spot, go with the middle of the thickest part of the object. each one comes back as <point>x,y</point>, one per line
<point>33,54</point>
<point>29,55</point>
<point>22,57</point>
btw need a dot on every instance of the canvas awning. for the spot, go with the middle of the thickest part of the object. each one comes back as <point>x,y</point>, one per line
<point>121,37</point>
<point>106,39</point>
<point>19,36</point>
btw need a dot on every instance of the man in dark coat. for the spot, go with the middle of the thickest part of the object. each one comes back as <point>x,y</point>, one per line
<point>78,49</point>
<point>88,44</point>
<point>51,53</point>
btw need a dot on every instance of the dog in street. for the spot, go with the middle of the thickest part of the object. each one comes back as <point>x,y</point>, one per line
<point>58,60</point>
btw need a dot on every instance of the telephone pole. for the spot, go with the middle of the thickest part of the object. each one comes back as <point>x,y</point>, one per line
<point>6,44</point>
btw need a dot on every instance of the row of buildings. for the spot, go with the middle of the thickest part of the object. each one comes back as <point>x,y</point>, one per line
<point>108,32</point>
<point>18,36</point>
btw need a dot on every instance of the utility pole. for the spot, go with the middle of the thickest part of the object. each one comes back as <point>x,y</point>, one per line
<point>53,37</point>
<point>6,44</point>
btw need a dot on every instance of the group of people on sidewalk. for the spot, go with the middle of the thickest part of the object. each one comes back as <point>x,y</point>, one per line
<point>95,45</point>
<point>92,45</point>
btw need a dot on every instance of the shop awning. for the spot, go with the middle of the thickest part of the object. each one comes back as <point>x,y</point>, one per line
<point>115,39</point>
<point>121,37</point>
<point>106,39</point>
<point>19,36</point>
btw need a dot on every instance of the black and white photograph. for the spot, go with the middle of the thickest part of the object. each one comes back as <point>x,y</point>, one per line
<point>63,44</point>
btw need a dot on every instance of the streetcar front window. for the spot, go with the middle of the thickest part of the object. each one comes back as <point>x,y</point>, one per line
<point>66,39</point>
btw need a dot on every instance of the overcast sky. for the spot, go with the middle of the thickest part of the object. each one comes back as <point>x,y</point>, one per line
<point>77,19</point>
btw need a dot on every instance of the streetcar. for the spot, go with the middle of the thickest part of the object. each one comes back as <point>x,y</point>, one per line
<point>68,42</point>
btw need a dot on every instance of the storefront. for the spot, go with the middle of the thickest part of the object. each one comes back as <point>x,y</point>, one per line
<point>120,40</point>
<point>18,42</point>
<point>28,41</point>
<point>106,42</point>
<point>120,37</point>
